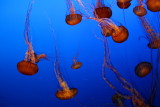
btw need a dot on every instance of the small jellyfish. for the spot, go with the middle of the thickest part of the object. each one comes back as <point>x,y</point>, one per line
<point>120,35</point>
<point>153,5</point>
<point>76,64</point>
<point>101,11</point>
<point>143,69</point>
<point>118,100</point>
<point>139,11</point>
<point>72,18</point>
<point>123,4</point>
<point>154,44</point>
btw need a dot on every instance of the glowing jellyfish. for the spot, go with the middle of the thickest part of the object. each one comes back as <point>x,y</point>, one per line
<point>143,69</point>
<point>134,96</point>
<point>153,5</point>
<point>28,66</point>
<point>118,100</point>
<point>123,4</point>
<point>101,11</point>
<point>76,64</point>
<point>72,18</point>
<point>66,92</point>
<point>139,10</point>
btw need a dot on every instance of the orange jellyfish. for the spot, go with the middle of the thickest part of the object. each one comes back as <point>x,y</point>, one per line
<point>139,10</point>
<point>72,18</point>
<point>102,11</point>
<point>118,100</point>
<point>153,5</point>
<point>123,4</point>
<point>119,33</point>
<point>135,97</point>
<point>66,92</point>
<point>76,64</point>
<point>28,66</point>
<point>143,69</point>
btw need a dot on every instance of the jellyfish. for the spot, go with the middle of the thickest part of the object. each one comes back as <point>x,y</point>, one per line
<point>135,97</point>
<point>123,4</point>
<point>73,17</point>
<point>139,10</point>
<point>143,69</point>
<point>76,64</point>
<point>102,11</point>
<point>28,66</point>
<point>153,5</point>
<point>118,100</point>
<point>119,33</point>
<point>65,92</point>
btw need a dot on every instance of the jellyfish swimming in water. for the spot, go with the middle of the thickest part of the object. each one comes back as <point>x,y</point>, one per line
<point>28,66</point>
<point>153,5</point>
<point>102,11</point>
<point>119,33</point>
<point>143,69</point>
<point>123,4</point>
<point>76,64</point>
<point>135,97</point>
<point>66,92</point>
<point>73,17</point>
<point>118,100</point>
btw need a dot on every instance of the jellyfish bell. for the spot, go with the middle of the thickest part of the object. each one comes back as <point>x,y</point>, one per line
<point>76,65</point>
<point>153,5</point>
<point>120,35</point>
<point>73,19</point>
<point>139,11</point>
<point>124,1</point>
<point>103,12</point>
<point>154,44</point>
<point>27,68</point>
<point>66,94</point>
<point>117,100</point>
<point>143,69</point>
<point>123,5</point>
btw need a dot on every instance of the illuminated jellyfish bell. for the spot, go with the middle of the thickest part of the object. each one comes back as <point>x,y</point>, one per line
<point>27,68</point>
<point>118,100</point>
<point>154,44</point>
<point>76,65</point>
<point>153,5</point>
<point>123,4</point>
<point>120,35</point>
<point>72,18</point>
<point>139,11</point>
<point>143,69</point>
<point>102,11</point>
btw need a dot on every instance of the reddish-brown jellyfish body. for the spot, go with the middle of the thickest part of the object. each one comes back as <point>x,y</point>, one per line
<point>154,44</point>
<point>143,69</point>
<point>123,4</point>
<point>72,18</point>
<point>118,100</point>
<point>120,35</point>
<point>139,11</point>
<point>27,68</point>
<point>153,5</point>
<point>76,65</point>
<point>101,11</point>
<point>66,94</point>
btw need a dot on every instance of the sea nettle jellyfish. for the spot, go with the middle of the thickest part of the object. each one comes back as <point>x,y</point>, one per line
<point>153,5</point>
<point>143,69</point>
<point>73,17</point>
<point>65,92</point>
<point>123,4</point>
<point>102,11</point>
<point>76,64</point>
<point>28,66</point>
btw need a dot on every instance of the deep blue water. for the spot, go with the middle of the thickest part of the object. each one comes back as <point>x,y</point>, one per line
<point>18,90</point>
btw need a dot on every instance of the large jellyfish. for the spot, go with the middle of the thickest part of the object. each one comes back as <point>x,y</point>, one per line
<point>123,4</point>
<point>73,17</point>
<point>28,66</point>
<point>102,11</point>
<point>153,5</point>
<point>66,92</point>
<point>134,96</point>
